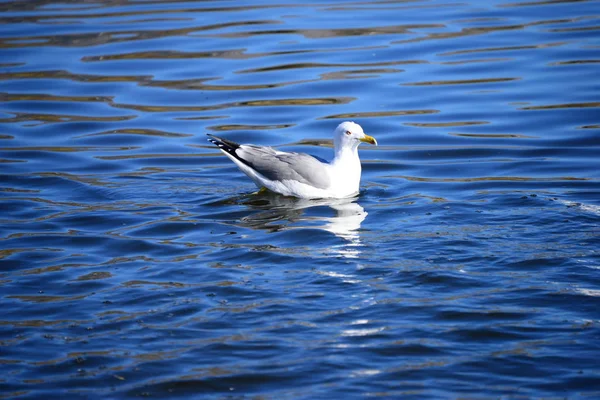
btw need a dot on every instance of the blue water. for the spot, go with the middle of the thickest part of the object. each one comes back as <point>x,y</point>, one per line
<point>136,260</point>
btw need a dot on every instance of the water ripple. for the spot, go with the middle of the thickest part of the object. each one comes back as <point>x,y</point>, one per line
<point>138,261</point>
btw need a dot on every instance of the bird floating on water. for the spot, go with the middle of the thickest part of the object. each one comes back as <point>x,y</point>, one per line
<point>299,174</point>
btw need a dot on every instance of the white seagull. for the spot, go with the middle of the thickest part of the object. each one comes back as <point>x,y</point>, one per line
<point>299,174</point>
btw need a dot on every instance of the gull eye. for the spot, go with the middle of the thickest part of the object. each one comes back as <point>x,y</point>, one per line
<point>348,133</point>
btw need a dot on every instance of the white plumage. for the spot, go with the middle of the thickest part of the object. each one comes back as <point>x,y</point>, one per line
<point>299,174</point>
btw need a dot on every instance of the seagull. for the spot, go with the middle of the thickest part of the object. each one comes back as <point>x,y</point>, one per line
<point>302,175</point>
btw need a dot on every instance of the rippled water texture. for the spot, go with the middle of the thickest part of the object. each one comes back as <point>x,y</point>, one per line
<point>136,260</point>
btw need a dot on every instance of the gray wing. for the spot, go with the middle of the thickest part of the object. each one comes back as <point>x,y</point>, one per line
<point>278,166</point>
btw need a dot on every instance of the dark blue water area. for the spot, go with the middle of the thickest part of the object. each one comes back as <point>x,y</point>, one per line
<point>136,260</point>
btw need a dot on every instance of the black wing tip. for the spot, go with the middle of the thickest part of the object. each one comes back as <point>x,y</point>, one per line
<point>223,144</point>
<point>211,139</point>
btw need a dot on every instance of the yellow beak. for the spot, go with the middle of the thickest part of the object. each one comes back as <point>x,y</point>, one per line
<point>368,139</point>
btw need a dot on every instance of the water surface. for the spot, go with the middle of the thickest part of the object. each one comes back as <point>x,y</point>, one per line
<point>136,260</point>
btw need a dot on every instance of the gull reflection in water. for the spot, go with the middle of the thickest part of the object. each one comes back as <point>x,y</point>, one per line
<point>346,224</point>
<point>277,213</point>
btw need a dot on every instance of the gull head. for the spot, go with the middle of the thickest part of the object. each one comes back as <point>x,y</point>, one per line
<point>351,134</point>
